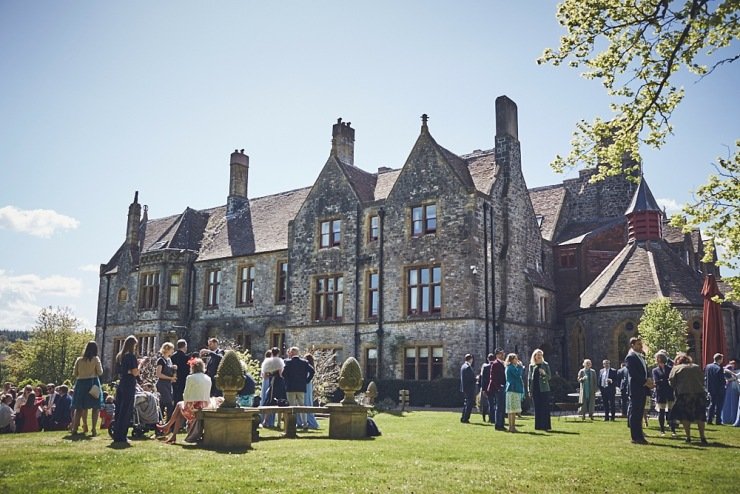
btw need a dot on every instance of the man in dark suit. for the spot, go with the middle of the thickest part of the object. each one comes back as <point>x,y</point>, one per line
<point>608,385</point>
<point>214,354</point>
<point>467,387</point>
<point>485,400</point>
<point>50,402</point>
<point>297,373</point>
<point>180,359</point>
<point>714,382</point>
<point>624,387</point>
<point>639,386</point>
<point>61,417</point>
<point>497,389</point>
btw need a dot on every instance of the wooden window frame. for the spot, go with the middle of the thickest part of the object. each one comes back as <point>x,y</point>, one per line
<point>332,237</point>
<point>425,223</point>
<point>371,364</point>
<point>149,290</point>
<point>567,259</point>
<point>415,290</point>
<point>245,285</point>
<point>178,287</point>
<point>212,288</point>
<point>373,295</point>
<point>328,298</point>
<point>373,228</point>
<point>281,282</point>
<point>431,369</point>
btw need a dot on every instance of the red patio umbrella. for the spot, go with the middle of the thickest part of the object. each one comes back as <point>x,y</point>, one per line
<point>713,331</point>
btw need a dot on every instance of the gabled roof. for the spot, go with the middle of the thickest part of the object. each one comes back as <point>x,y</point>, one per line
<point>548,203</point>
<point>458,165</point>
<point>384,183</point>
<point>361,181</point>
<point>640,273</point>
<point>482,168</point>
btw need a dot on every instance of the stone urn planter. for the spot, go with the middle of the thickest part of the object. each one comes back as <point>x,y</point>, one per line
<point>230,378</point>
<point>348,418</point>
<point>350,380</point>
<point>228,427</point>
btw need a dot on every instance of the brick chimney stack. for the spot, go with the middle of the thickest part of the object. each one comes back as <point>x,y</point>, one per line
<point>134,221</point>
<point>343,142</point>
<point>238,180</point>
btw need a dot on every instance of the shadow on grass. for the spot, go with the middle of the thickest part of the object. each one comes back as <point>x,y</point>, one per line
<point>119,445</point>
<point>77,437</point>
<point>395,413</point>
<point>555,431</point>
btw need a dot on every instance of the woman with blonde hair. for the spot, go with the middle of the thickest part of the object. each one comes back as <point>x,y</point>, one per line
<point>514,389</point>
<point>166,375</point>
<point>197,395</point>
<point>127,367</point>
<point>539,390</point>
<point>87,371</point>
<point>587,391</point>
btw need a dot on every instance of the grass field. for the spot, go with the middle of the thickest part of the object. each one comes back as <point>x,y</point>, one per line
<point>419,452</point>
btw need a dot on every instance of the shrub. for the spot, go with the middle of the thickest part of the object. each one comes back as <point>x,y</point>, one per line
<point>442,393</point>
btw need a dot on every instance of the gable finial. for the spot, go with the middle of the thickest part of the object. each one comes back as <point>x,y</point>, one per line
<point>424,119</point>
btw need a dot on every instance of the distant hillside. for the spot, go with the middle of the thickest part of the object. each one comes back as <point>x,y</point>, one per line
<point>11,335</point>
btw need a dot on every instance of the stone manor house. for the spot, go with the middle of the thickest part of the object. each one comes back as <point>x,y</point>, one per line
<point>408,269</point>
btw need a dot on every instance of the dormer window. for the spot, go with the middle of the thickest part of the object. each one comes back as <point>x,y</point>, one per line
<point>331,233</point>
<point>423,220</point>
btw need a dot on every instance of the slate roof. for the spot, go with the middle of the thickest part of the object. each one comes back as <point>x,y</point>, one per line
<point>641,272</point>
<point>482,168</point>
<point>643,200</point>
<point>577,232</point>
<point>548,203</point>
<point>361,181</point>
<point>671,234</point>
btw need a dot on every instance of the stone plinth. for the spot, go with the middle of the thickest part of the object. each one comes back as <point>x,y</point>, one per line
<point>347,421</point>
<point>228,428</point>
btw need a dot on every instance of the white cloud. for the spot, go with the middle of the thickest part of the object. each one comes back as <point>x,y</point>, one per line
<point>91,268</point>
<point>671,205</point>
<point>22,296</point>
<point>36,222</point>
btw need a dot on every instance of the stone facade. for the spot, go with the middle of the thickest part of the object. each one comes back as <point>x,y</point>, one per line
<point>405,269</point>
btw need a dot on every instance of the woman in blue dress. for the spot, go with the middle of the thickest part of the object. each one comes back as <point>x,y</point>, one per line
<point>128,369</point>
<point>514,389</point>
<point>87,371</point>
<point>311,422</point>
<point>732,393</point>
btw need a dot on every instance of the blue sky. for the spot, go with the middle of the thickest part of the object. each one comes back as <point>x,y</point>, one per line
<point>100,99</point>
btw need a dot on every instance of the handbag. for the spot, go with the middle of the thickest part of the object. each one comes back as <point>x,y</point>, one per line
<point>95,391</point>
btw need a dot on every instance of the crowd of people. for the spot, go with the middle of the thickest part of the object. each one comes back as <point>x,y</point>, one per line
<point>677,389</point>
<point>59,408</point>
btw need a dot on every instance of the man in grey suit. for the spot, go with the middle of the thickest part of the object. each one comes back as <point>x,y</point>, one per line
<point>467,387</point>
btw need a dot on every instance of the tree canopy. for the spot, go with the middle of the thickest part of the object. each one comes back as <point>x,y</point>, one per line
<point>662,327</point>
<point>50,353</point>
<point>639,50</point>
<point>636,49</point>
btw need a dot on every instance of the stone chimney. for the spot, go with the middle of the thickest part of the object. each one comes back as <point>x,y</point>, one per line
<point>343,142</point>
<point>238,180</point>
<point>507,120</point>
<point>134,221</point>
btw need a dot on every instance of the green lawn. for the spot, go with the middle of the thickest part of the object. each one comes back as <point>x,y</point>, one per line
<point>419,452</point>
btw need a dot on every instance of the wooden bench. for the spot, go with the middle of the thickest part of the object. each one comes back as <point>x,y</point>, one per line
<point>290,413</point>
